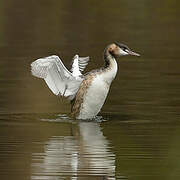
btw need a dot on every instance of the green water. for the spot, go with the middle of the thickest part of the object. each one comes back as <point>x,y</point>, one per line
<point>138,138</point>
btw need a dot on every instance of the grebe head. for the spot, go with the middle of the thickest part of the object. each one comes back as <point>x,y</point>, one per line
<point>118,50</point>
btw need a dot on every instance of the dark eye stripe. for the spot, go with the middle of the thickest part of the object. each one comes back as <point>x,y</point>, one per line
<point>126,49</point>
<point>122,46</point>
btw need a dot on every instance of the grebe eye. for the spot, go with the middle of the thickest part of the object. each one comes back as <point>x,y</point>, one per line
<point>124,49</point>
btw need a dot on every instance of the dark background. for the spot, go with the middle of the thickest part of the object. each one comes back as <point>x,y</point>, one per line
<point>141,131</point>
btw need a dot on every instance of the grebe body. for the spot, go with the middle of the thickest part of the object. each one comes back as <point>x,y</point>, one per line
<point>93,92</point>
<point>87,93</point>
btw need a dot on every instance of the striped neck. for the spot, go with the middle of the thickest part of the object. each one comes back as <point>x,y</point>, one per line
<point>108,57</point>
<point>110,68</point>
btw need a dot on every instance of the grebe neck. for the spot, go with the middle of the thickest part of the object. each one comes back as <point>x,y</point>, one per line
<point>110,66</point>
<point>108,58</point>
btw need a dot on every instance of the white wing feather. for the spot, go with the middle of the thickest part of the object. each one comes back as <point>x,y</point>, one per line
<point>78,65</point>
<point>58,78</point>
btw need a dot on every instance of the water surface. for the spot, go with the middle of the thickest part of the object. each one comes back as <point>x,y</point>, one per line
<point>138,135</point>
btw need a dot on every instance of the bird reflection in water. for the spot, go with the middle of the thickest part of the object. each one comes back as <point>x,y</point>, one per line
<point>86,154</point>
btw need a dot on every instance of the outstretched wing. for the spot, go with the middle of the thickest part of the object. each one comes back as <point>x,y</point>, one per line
<point>78,65</point>
<point>58,78</point>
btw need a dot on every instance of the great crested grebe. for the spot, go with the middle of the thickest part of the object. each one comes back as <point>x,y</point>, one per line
<point>87,92</point>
